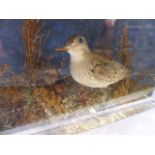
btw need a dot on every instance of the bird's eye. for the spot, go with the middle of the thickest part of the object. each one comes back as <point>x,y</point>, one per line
<point>81,40</point>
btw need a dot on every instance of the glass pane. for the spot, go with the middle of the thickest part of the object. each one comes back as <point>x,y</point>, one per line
<point>59,71</point>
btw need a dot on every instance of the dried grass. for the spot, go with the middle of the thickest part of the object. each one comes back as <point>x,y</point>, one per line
<point>125,55</point>
<point>34,40</point>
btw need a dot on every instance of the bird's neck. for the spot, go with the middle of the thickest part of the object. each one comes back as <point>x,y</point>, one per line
<point>81,58</point>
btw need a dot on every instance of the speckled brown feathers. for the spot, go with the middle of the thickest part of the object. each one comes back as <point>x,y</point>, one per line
<point>90,70</point>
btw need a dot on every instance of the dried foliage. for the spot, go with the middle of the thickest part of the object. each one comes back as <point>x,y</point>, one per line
<point>38,66</point>
<point>124,87</point>
<point>3,69</point>
<point>19,106</point>
<point>34,40</point>
<point>50,98</point>
<point>125,55</point>
<point>29,98</point>
<point>11,95</point>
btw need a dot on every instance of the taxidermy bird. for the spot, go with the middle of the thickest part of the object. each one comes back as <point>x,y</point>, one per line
<point>89,69</point>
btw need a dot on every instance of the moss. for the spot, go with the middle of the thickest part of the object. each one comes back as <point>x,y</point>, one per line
<point>50,97</point>
<point>29,99</point>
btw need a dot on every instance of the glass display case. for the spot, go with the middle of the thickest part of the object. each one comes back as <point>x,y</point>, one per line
<point>70,76</point>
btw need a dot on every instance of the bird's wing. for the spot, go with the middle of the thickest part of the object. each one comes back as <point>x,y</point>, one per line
<point>102,53</point>
<point>108,70</point>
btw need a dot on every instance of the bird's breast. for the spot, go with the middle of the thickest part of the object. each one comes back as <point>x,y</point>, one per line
<point>82,74</point>
<point>79,70</point>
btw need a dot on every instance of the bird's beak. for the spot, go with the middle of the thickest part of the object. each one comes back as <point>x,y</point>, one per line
<point>62,49</point>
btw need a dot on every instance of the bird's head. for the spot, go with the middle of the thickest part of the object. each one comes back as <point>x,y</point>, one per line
<point>76,46</point>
